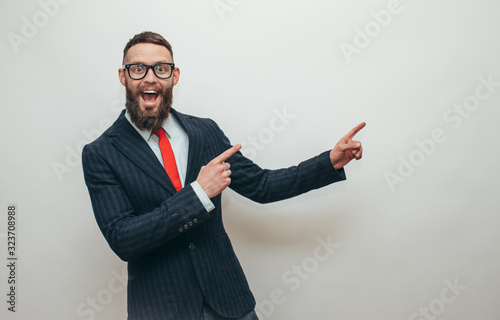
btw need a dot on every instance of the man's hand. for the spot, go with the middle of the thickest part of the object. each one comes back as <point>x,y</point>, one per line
<point>347,149</point>
<point>214,177</point>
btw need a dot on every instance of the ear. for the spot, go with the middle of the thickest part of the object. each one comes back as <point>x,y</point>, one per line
<point>176,75</point>
<point>121,75</point>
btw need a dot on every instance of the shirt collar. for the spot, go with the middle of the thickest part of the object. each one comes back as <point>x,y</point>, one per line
<point>170,126</point>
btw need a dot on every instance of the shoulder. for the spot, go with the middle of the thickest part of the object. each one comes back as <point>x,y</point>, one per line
<point>120,126</point>
<point>195,122</point>
<point>204,130</point>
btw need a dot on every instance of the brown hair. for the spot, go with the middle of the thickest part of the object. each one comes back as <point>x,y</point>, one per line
<point>148,37</point>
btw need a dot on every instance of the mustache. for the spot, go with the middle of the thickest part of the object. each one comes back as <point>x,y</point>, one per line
<point>148,119</point>
<point>143,88</point>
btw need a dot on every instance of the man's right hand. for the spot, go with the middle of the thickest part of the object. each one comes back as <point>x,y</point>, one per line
<point>214,177</point>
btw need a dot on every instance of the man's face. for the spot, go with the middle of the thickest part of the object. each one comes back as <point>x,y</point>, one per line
<point>150,98</point>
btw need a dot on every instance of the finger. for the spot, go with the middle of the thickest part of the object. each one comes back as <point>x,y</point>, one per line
<point>227,154</point>
<point>350,145</point>
<point>355,130</point>
<point>359,154</point>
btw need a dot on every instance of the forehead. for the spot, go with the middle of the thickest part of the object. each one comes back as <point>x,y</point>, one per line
<point>148,53</point>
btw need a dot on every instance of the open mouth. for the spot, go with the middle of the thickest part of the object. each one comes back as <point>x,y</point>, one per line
<point>149,96</point>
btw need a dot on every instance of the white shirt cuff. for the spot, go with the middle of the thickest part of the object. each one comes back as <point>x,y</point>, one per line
<point>205,200</point>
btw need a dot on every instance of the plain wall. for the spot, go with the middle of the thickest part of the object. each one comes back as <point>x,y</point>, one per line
<point>413,230</point>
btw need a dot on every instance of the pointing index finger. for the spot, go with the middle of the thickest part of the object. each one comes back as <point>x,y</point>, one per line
<point>355,130</point>
<point>228,153</point>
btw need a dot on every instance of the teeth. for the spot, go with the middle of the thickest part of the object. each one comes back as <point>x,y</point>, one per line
<point>152,92</point>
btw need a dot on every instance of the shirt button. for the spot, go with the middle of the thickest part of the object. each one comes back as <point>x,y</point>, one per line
<point>192,246</point>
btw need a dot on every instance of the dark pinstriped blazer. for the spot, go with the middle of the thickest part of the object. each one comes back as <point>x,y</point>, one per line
<point>177,253</point>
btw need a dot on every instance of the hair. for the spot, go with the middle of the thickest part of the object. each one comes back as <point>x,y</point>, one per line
<point>148,37</point>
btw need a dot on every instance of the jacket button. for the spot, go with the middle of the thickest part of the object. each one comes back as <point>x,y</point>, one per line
<point>185,226</point>
<point>180,229</point>
<point>195,220</point>
<point>190,224</point>
<point>192,246</point>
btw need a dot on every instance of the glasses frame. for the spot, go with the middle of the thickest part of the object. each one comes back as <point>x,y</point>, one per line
<point>152,67</point>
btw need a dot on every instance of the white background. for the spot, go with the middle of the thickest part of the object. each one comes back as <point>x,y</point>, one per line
<point>400,244</point>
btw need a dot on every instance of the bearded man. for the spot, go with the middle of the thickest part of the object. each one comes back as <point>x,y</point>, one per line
<point>155,179</point>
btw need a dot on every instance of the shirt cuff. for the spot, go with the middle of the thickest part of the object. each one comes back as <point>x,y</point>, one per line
<point>205,200</point>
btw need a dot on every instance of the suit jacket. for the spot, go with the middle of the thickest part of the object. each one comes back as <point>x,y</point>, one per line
<point>178,254</point>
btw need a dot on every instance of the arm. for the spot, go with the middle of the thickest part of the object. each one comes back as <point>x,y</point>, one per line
<point>263,186</point>
<point>130,234</point>
<point>273,185</point>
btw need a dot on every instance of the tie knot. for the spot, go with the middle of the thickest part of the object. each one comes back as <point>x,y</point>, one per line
<point>159,132</point>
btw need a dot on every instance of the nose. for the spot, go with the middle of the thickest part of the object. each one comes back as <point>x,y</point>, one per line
<point>150,76</point>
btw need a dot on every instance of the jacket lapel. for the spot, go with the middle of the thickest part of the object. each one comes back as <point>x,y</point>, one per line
<point>196,146</point>
<point>129,142</point>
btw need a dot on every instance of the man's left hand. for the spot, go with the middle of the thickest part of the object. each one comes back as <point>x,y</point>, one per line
<point>347,149</point>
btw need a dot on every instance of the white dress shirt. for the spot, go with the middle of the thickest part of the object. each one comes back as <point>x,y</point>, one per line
<point>179,141</point>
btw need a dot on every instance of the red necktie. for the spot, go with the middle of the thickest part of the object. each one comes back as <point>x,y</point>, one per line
<point>168,158</point>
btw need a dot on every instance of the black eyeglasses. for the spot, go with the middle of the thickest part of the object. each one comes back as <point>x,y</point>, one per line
<point>137,71</point>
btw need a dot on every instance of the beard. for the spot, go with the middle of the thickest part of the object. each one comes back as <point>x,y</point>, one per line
<point>149,119</point>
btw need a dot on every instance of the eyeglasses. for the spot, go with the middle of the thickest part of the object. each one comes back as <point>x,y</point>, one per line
<point>137,71</point>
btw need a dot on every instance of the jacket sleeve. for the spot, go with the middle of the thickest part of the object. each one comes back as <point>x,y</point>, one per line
<point>129,234</point>
<point>264,185</point>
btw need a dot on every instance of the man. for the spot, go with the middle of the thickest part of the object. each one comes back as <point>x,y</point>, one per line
<point>161,212</point>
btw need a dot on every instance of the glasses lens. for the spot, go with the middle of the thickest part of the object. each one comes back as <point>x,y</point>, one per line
<point>137,71</point>
<point>163,70</point>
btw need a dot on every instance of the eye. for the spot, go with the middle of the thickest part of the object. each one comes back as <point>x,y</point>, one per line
<point>161,68</point>
<point>138,68</point>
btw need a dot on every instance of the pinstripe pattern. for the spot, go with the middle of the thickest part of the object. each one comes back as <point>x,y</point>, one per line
<point>177,253</point>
